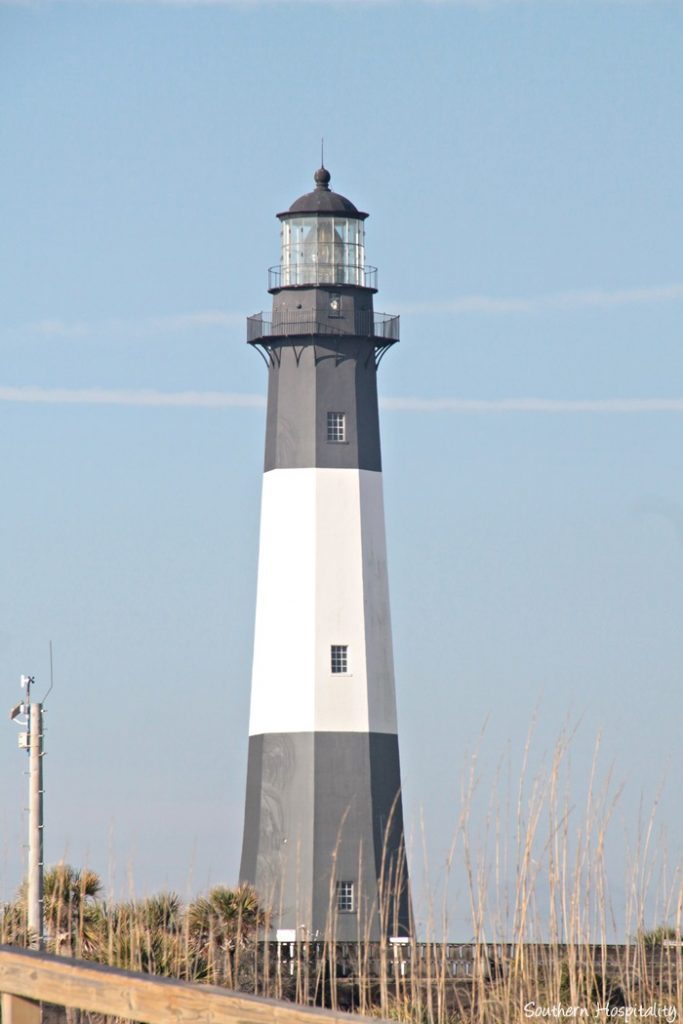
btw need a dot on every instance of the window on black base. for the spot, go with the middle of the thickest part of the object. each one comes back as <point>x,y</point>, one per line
<point>345,898</point>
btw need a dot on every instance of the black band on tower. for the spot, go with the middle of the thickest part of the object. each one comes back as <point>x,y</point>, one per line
<point>314,794</point>
<point>305,383</point>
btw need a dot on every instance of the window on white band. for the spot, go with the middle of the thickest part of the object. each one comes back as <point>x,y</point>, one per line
<point>339,658</point>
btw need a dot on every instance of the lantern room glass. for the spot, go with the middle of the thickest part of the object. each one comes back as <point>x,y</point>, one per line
<point>322,250</point>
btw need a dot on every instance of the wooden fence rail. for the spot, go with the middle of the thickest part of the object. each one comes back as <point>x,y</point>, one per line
<point>28,977</point>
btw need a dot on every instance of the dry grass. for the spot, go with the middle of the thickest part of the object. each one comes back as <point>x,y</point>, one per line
<point>529,876</point>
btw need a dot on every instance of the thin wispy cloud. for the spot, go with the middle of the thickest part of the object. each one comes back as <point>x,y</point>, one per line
<point>483,5</point>
<point>144,326</point>
<point>567,301</point>
<point>587,298</point>
<point>225,400</point>
<point>271,3</point>
<point>535,405</point>
<point>123,396</point>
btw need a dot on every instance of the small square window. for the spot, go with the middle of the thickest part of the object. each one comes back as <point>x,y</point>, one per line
<point>336,427</point>
<point>339,658</point>
<point>345,897</point>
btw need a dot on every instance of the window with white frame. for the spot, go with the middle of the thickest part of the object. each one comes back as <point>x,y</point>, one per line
<point>336,427</point>
<point>339,658</point>
<point>345,897</point>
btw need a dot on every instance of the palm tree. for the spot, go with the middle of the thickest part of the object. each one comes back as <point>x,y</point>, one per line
<point>159,920</point>
<point>14,924</point>
<point>219,926</point>
<point>73,917</point>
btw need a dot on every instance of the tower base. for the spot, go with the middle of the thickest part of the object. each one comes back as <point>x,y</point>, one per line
<point>315,792</point>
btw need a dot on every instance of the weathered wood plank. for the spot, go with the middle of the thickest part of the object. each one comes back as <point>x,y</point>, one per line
<point>140,997</point>
<point>16,1010</point>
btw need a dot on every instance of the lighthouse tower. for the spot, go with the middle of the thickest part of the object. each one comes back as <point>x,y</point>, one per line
<point>323,831</point>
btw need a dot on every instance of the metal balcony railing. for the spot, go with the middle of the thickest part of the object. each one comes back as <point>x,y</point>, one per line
<point>383,326</point>
<point>313,273</point>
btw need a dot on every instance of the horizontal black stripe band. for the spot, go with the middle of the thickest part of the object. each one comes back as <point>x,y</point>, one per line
<point>324,802</point>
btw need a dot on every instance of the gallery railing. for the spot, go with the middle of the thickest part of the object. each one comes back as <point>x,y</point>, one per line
<point>311,272</point>
<point>383,326</point>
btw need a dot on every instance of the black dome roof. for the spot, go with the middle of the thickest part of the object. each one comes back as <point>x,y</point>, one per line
<point>323,200</point>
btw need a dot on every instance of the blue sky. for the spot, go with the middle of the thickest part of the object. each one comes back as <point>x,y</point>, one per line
<point>521,163</point>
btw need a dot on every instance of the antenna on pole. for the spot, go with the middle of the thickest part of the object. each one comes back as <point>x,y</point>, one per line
<point>322,152</point>
<point>52,682</point>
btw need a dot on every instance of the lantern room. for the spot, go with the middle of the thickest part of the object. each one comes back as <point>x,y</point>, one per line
<point>322,239</point>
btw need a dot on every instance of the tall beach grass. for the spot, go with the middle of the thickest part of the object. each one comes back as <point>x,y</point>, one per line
<point>520,920</point>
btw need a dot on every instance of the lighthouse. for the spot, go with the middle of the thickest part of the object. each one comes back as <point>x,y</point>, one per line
<point>323,829</point>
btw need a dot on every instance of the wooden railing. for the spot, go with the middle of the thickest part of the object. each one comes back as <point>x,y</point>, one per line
<point>28,978</point>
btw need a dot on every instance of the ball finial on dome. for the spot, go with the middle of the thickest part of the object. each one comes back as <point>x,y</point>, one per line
<point>322,178</point>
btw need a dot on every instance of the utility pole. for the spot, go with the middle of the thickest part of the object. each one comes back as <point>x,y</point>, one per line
<point>31,740</point>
